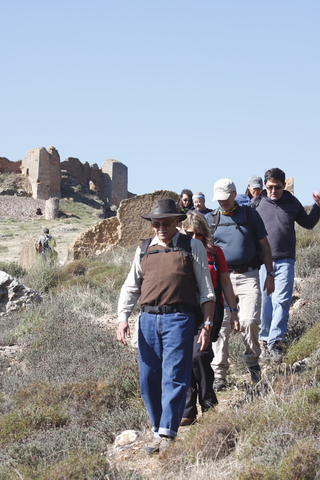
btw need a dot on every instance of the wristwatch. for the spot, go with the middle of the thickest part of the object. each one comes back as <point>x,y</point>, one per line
<point>271,274</point>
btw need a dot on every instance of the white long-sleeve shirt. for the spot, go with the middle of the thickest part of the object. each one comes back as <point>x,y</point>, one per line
<point>130,291</point>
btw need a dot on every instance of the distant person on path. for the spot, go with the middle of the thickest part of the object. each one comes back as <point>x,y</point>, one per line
<point>240,232</point>
<point>171,278</point>
<point>253,191</point>
<point>202,374</point>
<point>199,202</point>
<point>185,202</point>
<point>46,245</point>
<point>279,211</point>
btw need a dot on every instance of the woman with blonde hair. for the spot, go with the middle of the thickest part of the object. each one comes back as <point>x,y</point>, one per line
<point>202,374</point>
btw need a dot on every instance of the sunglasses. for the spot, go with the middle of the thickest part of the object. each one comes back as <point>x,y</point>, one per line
<point>190,234</point>
<point>160,223</point>
<point>274,187</point>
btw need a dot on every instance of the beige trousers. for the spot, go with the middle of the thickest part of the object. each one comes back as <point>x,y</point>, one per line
<point>247,290</point>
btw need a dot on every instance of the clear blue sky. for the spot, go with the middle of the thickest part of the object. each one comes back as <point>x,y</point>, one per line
<point>183,92</point>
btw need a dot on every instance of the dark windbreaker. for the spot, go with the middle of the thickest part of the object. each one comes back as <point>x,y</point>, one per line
<point>279,217</point>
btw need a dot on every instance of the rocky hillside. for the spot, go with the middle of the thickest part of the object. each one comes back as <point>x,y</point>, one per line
<point>68,389</point>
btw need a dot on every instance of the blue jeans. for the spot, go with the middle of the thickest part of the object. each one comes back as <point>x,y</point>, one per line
<point>165,362</point>
<point>275,307</point>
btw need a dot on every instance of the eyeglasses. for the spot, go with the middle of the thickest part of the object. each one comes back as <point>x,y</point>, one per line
<point>162,223</point>
<point>274,187</point>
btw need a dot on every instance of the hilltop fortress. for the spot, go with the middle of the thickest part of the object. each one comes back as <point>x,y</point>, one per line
<point>44,171</point>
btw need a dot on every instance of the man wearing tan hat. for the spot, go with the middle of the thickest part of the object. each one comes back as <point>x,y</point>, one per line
<point>170,277</point>
<point>241,234</point>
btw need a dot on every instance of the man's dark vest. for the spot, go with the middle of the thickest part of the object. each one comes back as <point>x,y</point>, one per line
<point>168,276</point>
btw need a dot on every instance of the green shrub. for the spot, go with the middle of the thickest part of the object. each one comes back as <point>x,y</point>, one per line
<point>308,260</point>
<point>305,346</point>
<point>309,313</point>
<point>13,268</point>
<point>301,462</point>
<point>254,471</point>
<point>43,276</point>
<point>19,424</point>
<point>78,465</point>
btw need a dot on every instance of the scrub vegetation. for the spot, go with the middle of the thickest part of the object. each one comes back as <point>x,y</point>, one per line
<point>71,389</point>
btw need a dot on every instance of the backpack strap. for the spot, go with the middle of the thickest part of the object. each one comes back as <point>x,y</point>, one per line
<point>182,243</point>
<point>144,245</point>
<point>215,220</point>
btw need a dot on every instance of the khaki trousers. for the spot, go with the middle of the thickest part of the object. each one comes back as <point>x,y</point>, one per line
<point>247,290</point>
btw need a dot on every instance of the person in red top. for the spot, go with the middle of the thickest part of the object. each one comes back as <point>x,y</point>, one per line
<point>202,374</point>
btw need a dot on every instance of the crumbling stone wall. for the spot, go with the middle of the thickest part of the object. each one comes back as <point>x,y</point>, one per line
<point>132,226</point>
<point>99,238</point>
<point>125,230</point>
<point>117,180</point>
<point>42,167</point>
<point>7,166</point>
<point>91,176</point>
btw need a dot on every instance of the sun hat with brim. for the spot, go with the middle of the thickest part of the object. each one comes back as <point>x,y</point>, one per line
<point>222,189</point>
<point>165,207</point>
<point>255,182</point>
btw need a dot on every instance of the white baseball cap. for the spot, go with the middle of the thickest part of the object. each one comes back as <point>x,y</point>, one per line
<point>222,189</point>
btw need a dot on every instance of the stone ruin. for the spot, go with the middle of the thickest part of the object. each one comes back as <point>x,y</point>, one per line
<point>43,169</point>
<point>126,229</point>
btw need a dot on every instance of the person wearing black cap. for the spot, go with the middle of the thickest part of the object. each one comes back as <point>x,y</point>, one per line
<point>170,277</point>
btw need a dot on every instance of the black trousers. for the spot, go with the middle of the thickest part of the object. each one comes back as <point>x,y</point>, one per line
<point>202,374</point>
<point>201,381</point>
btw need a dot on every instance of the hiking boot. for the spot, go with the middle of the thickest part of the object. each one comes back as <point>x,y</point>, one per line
<point>276,352</point>
<point>265,354</point>
<point>186,421</point>
<point>255,373</point>
<point>154,446</point>
<point>219,384</point>
<point>165,443</point>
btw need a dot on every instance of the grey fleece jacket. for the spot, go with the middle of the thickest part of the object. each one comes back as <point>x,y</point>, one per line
<point>279,217</point>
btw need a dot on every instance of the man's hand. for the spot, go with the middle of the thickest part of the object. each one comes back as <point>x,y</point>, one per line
<point>204,338</point>
<point>269,284</point>
<point>235,324</point>
<point>123,332</point>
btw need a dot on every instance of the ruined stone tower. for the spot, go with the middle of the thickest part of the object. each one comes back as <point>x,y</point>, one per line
<point>42,167</point>
<point>116,179</point>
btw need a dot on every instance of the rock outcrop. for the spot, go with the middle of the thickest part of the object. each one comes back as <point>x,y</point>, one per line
<point>15,295</point>
<point>126,229</point>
